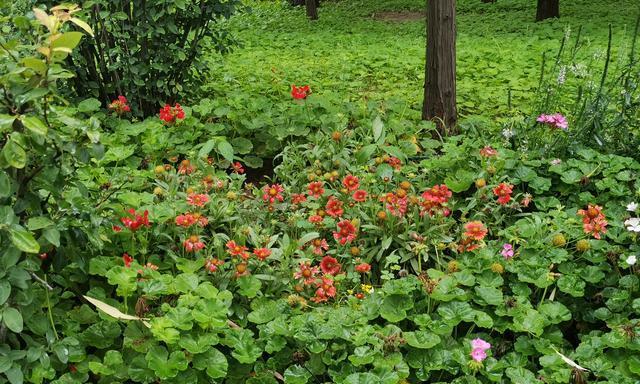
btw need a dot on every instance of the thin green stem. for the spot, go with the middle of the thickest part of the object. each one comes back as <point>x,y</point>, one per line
<point>53,325</point>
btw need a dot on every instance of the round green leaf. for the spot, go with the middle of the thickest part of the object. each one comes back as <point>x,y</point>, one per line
<point>12,319</point>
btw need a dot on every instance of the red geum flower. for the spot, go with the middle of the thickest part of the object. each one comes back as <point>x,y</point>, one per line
<point>363,267</point>
<point>127,260</point>
<point>591,213</point>
<point>185,220</point>
<point>212,264</point>
<point>438,194</point>
<point>315,219</point>
<point>298,198</point>
<point>135,221</point>
<point>185,167</point>
<point>488,151</point>
<point>169,114</point>
<point>503,191</point>
<point>119,106</point>
<point>394,162</point>
<point>307,272</point>
<point>346,232</point>
<point>359,196</point>
<point>116,228</point>
<point>237,250</point>
<point>237,167</point>
<point>334,207</point>
<point>300,92</point>
<point>242,269</point>
<point>193,244</point>
<point>262,253</point>
<point>319,245</point>
<point>330,265</point>
<point>351,182</point>
<point>315,189</point>
<point>272,193</point>
<point>325,290</point>
<point>475,230</point>
<point>197,199</point>
<point>396,205</point>
<point>596,227</point>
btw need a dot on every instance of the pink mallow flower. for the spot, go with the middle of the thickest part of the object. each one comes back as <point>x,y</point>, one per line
<point>556,120</point>
<point>507,251</point>
<point>479,351</point>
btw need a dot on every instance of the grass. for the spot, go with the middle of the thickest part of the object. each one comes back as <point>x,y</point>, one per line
<point>351,55</point>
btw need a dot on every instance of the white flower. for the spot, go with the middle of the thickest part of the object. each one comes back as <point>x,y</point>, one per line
<point>508,133</point>
<point>631,260</point>
<point>631,207</point>
<point>632,224</point>
<point>556,161</point>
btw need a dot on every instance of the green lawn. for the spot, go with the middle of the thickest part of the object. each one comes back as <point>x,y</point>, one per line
<point>352,55</point>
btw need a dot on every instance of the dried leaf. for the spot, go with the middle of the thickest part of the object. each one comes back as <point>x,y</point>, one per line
<point>570,362</point>
<point>114,312</point>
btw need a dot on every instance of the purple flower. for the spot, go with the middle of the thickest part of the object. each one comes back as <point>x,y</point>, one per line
<point>507,251</point>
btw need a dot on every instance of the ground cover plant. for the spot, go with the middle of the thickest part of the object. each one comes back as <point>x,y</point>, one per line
<point>139,250</point>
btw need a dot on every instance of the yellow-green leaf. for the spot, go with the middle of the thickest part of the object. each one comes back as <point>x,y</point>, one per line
<point>66,41</point>
<point>82,24</point>
<point>24,240</point>
<point>114,312</point>
<point>35,125</point>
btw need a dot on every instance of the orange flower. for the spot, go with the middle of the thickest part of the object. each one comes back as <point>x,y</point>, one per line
<point>475,230</point>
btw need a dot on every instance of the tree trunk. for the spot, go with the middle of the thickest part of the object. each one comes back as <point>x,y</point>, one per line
<point>547,9</point>
<point>312,9</point>
<point>440,69</point>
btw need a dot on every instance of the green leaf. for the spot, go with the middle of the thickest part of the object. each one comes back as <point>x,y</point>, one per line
<point>225,149</point>
<point>164,365</point>
<point>6,121</point>
<point>5,363</point>
<point>395,152</point>
<point>12,319</point>
<point>307,238</point>
<point>249,286</point>
<point>89,105</point>
<point>52,235</point>
<point>24,240</point>
<point>213,361</point>
<point>378,130</point>
<point>296,374</point>
<point>35,125</point>
<point>5,184</point>
<point>421,339</point>
<point>67,41</point>
<point>39,222</point>
<point>13,153</point>
<point>242,145</point>
<point>15,375</point>
<point>5,291</point>
<point>490,295</point>
<point>394,307</point>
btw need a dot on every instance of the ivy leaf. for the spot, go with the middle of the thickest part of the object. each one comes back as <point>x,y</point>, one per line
<point>12,319</point>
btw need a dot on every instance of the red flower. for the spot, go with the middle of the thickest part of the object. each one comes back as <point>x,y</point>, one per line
<point>135,221</point>
<point>315,189</point>
<point>237,167</point>
<point>503,191</point>
<point>300,92</point>
<point>116,228</point>
<point>346,232</point>
<point>396,205</point>
<point>315,219</point>
<point>330,266</point>
<point>262,253</point>
<point>439,194</point>
<point>394,162</point>
<point>319,245</point>
<point>475,230</point>
<point>213,264</point>
<point>594,221</point>
<point>351,182</point>
<point>170,114</point>
<point>127,260</point>
<point>306,272</point>
<point>119,106</point>
<point>325,290</point>
<point>271,193</point>
<point>488,151</point>
<point>185,220</point>
<point>185,167</point>
<point>197,200</point>
<point>193,244</point>
<point>359,196</point>
<point>237,250</point>
<point>298,198</point>
<point>334,207</point>
<point>363,268</point>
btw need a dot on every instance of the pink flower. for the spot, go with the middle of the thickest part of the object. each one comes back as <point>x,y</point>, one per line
<point>197,199</point>
<point>480,344</point>
<point>478,355</point>
<point>556,121</point>
<point>359,195</point>
<point>507,253</point>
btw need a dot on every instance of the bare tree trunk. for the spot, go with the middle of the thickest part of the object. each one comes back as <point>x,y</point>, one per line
<point>312,9</point>
<point>440,69</point>
<point>547,9</point>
